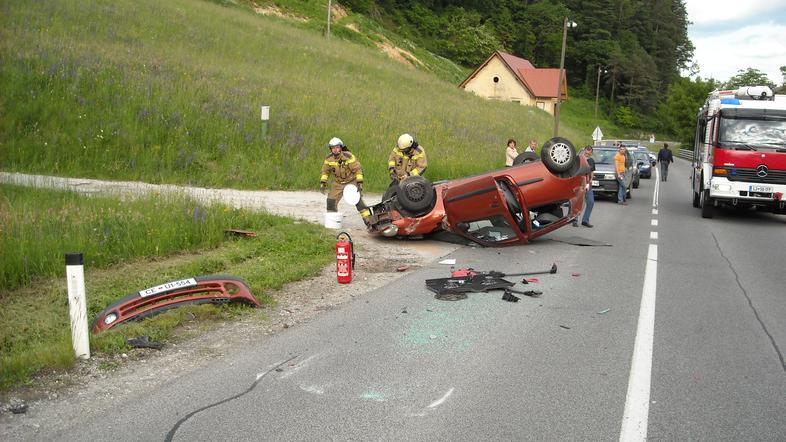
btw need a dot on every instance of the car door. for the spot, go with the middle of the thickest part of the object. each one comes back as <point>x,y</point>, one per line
<point>486,210</point>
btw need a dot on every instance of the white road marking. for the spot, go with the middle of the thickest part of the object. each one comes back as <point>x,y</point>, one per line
<point>439,401</point>
<point>637,401</point>
<point>654,211</point>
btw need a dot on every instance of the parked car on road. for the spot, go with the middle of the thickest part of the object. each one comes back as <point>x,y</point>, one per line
<point>604,180</point>
<point>642,159</point>
<point>503,207</point>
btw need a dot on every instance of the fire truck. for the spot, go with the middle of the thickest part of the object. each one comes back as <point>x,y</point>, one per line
<point>739,157</point>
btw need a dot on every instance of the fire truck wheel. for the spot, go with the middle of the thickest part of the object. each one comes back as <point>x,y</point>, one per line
<point>707,208</point>
<point>558,155</point>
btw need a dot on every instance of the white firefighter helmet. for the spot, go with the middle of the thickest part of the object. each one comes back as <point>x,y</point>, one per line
<point>335,142</point>
<point>405,141</point>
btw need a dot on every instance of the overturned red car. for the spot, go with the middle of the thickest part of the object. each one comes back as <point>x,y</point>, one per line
<point>504,207</point>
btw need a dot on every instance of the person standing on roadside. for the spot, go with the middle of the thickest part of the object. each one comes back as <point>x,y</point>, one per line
<point>589,197</point>
<point>619,167</point>
<point>345,169</point>
<point>407,159</point>
<point>664,158</point>
<point>532,145</point>
<point>510,153</point>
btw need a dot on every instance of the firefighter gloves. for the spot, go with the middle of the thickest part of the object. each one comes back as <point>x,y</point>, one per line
<point>322,187</point>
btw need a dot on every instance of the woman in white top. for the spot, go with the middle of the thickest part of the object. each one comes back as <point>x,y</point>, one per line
<point>510,152</point>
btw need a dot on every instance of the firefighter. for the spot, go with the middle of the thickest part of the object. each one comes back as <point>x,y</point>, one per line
<point>407,159</point>
<point>346,169</point>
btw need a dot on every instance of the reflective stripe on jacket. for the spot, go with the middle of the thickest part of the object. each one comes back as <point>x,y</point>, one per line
<point>412,163</point>
<point>346,168</point>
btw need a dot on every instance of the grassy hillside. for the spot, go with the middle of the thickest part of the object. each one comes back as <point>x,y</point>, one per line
<point>171,92</point>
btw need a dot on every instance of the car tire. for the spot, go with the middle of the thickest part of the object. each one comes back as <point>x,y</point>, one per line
<point>707,208</point>
<point>558,155</point>
<point>416,194</point>
<point>390,193</point>
<point>636,184</point>
<point>628,193</point>
<point>525,157</point>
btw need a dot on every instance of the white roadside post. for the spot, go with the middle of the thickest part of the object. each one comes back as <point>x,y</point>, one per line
<point>265,118</point>
<point>77,305</point>
<point>597,135</point>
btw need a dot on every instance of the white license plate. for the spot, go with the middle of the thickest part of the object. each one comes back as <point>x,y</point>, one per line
<point>760,189</point>
<point>167,287</point>
<point>595,183</point>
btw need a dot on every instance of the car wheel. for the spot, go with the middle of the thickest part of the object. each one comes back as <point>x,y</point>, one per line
<point>707,208</point>
<point>636,184</point>
<point>559,155</point>
<point>416,194</point>
<point>628,193</point>
<point>525,157</point>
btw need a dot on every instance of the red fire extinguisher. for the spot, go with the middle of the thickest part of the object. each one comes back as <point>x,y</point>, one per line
<point>345,258</point>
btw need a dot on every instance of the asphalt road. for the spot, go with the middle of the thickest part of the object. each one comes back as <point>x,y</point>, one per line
<point>398,364</point>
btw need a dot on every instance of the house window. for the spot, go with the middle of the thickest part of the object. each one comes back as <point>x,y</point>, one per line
<point>496,79</point>
<point>541,105</point>
<point>516,100</point>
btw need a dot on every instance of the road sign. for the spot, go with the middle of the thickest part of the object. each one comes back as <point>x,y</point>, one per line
<point>597,134</point>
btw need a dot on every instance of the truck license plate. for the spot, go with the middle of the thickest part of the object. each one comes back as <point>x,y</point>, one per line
<point>595,183</point>
<point>760,189</point>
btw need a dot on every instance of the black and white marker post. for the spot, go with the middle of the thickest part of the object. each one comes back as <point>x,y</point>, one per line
<point>77,305</point>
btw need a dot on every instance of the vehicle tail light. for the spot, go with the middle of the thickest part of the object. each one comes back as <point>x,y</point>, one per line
<point>390,231</point>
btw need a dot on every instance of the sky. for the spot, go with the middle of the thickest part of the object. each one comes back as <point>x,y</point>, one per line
<point>733,35</point>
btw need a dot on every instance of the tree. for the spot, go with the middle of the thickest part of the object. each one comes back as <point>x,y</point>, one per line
<point>676,115</point>
<point>748,77</point>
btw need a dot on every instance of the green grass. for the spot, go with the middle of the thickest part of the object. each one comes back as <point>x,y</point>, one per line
<point>579,114</point>
<point>127,249</point>
<point>171,92</point>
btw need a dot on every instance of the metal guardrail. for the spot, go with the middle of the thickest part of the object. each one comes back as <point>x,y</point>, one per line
<point>684,154</point>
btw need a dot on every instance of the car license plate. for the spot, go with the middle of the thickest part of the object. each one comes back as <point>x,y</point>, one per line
<point>595,183</point>
<point>760,189</point>
<point>167,287</point>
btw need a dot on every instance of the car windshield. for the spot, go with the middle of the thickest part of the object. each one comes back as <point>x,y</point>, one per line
<point>603,156</point>
<point>642,156</point>
<point>751,134</point>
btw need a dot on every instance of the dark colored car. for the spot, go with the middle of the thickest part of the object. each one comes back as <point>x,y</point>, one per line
<point>642,159</point>
<point>604,179</point>
<point>504,207</point>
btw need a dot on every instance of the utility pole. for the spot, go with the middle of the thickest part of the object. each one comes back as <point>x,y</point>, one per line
<point>328,19</point>
<point>565,26</point>
<point>597,91</point>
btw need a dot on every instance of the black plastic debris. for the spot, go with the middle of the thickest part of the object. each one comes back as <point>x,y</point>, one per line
<point>510,297</point>
<point>144,342</point>
<point>18,408</point>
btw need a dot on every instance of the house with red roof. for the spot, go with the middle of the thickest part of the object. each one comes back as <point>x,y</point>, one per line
<point>509,78</point>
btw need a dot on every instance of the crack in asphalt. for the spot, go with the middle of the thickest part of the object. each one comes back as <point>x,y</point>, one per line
<point>174,429</point>
<point>750,303</point>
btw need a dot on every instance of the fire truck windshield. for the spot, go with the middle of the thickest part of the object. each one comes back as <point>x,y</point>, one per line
<point>752,133</point>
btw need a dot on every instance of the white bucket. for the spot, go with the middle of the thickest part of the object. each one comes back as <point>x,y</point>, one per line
<point>333,220</point>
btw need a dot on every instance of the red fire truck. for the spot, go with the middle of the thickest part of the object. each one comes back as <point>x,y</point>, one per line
<point>739,157</point>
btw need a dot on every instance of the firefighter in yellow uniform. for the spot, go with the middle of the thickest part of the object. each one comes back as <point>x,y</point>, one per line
<point>346,169</point>
<point>407,159</point>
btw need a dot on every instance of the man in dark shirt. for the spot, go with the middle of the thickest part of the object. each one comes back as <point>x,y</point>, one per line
<point>665,158</point>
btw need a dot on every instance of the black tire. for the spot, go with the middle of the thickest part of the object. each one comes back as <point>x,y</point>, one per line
<point>525,157</point>
<point>636,184</point>
<point>628,193</point>
<point>707,207</point>
<point>390,193</point>
<point>416,194</point>
<point>558,155</point>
